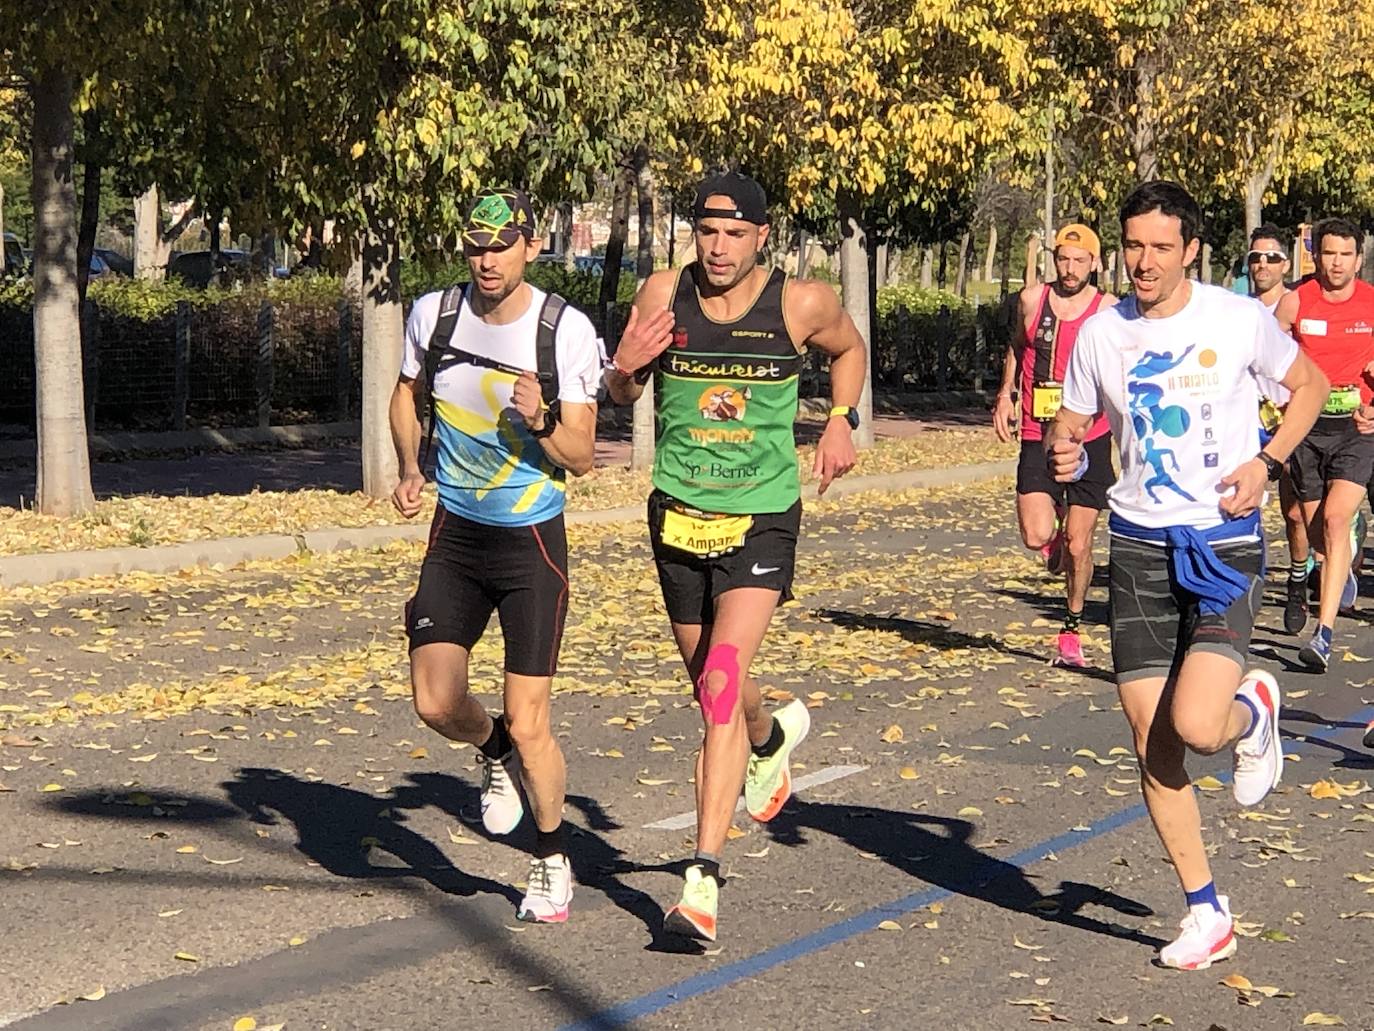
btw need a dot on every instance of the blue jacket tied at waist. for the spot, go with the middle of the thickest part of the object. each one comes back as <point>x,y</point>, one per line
<point>1196,565</point>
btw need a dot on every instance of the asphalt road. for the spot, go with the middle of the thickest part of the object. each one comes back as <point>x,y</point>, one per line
<point>315,858</point>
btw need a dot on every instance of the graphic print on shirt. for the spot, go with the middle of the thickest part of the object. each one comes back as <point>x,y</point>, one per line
<point>1152,420</point>
<point>482,451</point>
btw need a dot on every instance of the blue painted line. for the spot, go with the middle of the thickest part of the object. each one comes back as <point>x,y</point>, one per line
<point>623,1014</point>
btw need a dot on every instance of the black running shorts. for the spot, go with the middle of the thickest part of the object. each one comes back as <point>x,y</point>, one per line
<point>1156,622</point>
<point>765,557</point>
<point>472,568</point>
<point>1033,475</point>
<point>1333,450</point>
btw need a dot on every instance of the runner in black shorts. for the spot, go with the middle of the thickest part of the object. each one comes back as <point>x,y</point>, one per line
<point>497,541</point>
<point>723,339</point>
<point>1041,347</point>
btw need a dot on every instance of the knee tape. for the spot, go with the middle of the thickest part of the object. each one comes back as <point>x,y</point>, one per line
<point>722,658</point>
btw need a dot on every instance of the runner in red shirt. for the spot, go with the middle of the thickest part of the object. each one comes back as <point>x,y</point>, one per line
<point>1332,318</point>
<point>1050,317</point>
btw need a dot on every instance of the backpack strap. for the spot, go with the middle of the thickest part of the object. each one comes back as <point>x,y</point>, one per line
<point>439,340</point>
<point>545,351</point>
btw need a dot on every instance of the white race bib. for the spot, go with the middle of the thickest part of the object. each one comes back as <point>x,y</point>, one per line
<point>1312,327</point>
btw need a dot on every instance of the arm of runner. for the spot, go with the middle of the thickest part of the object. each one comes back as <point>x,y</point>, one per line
<point>815,310</point>
<point>405,423</point>
<point>1287,312</point>
<point>1003,408</point>
<point>1064,454</point>
<point>572,444</point>
<point>647,333</point>
<point>1309,389</point>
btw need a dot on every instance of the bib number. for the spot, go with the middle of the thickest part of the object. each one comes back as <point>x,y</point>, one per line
<point>1045,401</point>
<point>704,536</point>
<point>1342,401</point>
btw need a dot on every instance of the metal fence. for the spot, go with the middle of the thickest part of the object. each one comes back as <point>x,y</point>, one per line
<point>250,363</point>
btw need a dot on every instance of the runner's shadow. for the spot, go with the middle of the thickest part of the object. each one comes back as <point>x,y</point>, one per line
<point>940,636</point>
<point>1052,607</point>
<point>597,864</point>
<point>937,850</point>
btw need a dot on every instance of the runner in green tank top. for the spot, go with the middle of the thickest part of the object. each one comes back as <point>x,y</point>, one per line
<point>723,339</point>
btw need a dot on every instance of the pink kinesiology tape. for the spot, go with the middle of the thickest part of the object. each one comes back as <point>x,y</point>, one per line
<point>722,658</point>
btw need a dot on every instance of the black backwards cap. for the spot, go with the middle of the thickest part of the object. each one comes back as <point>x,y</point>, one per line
<point>750,202</point>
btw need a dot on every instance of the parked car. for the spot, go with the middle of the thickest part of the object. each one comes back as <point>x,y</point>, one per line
<point>596,263</point>
<point>14,263</point>
<point>194,269</point>
<point>115,262</point>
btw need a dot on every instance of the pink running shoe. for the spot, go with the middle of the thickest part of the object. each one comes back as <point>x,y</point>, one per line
<point>1070,652</point>
<point>1207,937</point>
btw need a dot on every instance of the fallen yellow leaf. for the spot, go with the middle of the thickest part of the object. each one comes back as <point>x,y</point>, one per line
<point>245,1024</point>
<point>893,734</point>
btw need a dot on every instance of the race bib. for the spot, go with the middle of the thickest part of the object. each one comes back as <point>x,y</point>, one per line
<point>704,536</point>
<point>1342,401</point>
<point>1046,399</point>
<point>1312,327</point>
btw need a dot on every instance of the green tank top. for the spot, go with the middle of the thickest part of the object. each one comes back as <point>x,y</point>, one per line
<point>726,400</point>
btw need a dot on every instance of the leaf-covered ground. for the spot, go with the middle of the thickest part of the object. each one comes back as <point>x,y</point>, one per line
<point>221,772</point>
<point>144,520</point>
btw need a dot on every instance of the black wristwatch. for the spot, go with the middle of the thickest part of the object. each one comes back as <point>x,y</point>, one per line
<point>850,413</point>
<point>1271,463</point>
<point>550,421</point>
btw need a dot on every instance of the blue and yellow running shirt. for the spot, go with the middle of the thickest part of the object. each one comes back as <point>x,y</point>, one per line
<point>488,468</point>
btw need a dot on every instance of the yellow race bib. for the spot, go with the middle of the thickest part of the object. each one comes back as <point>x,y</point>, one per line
<point>702,535</point>
<point>1045,401</point>
<point>1342,401</point>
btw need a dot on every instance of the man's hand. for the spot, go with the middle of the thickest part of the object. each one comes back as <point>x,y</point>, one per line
<point>1249,481</point>
<point>834,454</point>
<point>644,339</point>
<point>1063,458</point>
<point>406,496</point>
<point>1003,418</point>
<point>528,400</point>
<point>1364,418</point>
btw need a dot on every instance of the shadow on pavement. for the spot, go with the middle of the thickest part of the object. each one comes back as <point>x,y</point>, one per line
<point>937,850</point>
<point>938,635</point>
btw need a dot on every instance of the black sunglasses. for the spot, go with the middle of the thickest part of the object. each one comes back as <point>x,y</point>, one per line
<point>1272,257</point>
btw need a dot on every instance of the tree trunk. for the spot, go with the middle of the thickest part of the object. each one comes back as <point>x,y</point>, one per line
<point>1047,256</point>
<point>64,470</point>
<point>1144,140</point>
<point>148,236</point>
<point>991,256</point>
<point>1206,271</point>
<point>880,266</point>
<point>565,222</point>
<point>1032,275</point>
<point>642,425</point>
<point>965,259</point>
<point>383,339</point>
<point>90,202</point>
<point>927,267</point>
<point>1006,260</point>
<point>940,279</point>
<point>620,230</point>
<point>854,288</point>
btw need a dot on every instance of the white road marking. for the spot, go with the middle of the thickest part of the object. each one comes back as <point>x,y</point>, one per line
<point>809,780</point>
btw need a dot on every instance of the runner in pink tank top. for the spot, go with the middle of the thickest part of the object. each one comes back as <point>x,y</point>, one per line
<point>1056,519</point>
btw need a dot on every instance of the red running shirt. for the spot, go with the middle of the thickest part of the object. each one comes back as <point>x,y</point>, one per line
<point>1046,360</point>
<point>1338,335</point>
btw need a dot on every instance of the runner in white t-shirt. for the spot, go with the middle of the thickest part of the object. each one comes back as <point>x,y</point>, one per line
<point>497,541</point>
<point>1175,369</point>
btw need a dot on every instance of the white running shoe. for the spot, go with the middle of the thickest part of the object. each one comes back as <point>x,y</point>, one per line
<point>1258,756</point>
<point>502,809</point>
<point>548,892</point>
<point>1207,937</point>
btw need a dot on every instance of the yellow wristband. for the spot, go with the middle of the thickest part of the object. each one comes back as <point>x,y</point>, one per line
<point>838,410</point>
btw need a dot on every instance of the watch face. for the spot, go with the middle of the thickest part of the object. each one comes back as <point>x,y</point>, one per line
<point>852,417</point>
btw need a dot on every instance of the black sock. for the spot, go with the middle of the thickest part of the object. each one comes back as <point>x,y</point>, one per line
<point>710,865</point>
<point>550,843</point>
<point>774,742</point>
<point>1071,619</point>
<point>498,745</point>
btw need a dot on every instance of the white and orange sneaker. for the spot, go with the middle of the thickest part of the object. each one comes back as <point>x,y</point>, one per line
<point>548,892</point>
<point>695,915</point>
<point>1206,937</point>
<point>1258,756</point>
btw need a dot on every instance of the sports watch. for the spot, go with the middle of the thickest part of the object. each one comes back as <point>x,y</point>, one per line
<point>1271,463</point>
<point>851,415</point>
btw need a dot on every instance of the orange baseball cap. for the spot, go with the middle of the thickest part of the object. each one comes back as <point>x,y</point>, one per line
<point>1076,234</point>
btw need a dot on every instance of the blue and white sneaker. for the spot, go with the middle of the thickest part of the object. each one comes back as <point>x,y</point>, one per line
<point>1258,756</point>
<point>1316,653</point>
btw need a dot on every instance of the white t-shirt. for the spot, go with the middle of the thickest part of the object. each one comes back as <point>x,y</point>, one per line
<point>1182,396</point>
<point>488,468</point>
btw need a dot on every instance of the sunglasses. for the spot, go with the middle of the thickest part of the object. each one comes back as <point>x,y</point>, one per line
<point>1272,257</point>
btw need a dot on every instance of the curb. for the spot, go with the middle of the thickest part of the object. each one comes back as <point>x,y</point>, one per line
<point>51,567</point>
<point>203,439</point>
